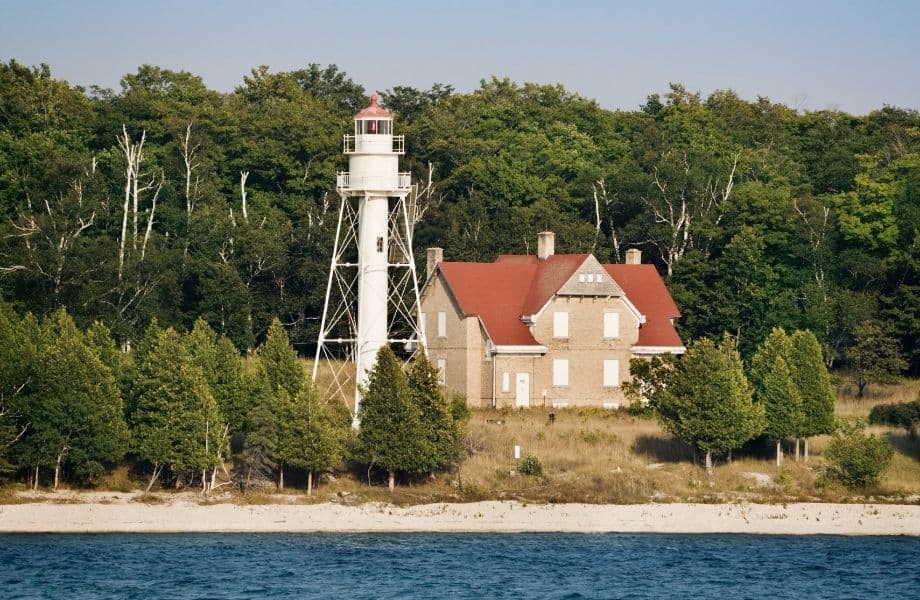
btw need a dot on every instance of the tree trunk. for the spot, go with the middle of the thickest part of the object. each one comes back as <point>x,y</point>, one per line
<point>309,483</point>
<point>153,478</point>
<point>57,472</point>
<point>204,481</point>
<point>35,481</point>
<point>281,478</point>
<point>709,462</point>
<point>729,456</point>
<point>805,444</point>
<point>392,480</point>
<point>798,451</point>
<point>779,453</point>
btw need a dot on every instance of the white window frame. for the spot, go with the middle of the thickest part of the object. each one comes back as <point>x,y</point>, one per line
<point>442,324</point>
<point>561,324</point>
<point>611,325</point>
<point>442,371</point>
<point>561,372</point>
<point>506,381</point>
<point>611,372</point>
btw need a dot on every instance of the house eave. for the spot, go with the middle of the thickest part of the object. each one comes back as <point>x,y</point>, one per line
<point>652,350</point>
<point>518,349</point>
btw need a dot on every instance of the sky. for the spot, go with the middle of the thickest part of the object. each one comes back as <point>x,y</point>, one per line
<point>809,54</point>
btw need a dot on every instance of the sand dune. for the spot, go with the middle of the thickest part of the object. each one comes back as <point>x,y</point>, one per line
<point>117,513</point>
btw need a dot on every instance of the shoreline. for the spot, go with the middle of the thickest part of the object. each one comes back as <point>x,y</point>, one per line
<point>183,516</point>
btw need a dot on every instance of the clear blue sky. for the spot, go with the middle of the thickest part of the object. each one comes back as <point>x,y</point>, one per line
<point>810,54</point>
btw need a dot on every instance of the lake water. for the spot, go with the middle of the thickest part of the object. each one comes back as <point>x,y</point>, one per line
<point>183,566</point>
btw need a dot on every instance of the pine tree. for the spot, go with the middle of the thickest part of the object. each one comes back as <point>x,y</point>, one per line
<point>428,396</point>
<point>280,377</point>
<point>391,433</point>
<point>176,423</point>
<point>74,407</point>
<point>311,441</point>
<point>775,390</point>
<point>279,367</point>
<point>813,382</point>
<point>874,356</point>
<point>708,400</point>
<point>223,369</point>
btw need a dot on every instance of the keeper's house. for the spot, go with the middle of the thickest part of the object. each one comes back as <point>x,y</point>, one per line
<point>547,330</point>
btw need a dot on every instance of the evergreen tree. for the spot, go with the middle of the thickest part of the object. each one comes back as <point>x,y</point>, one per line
<point>708,400</point>
<point>428,396</point>
<point>775,390</point>
<point>391,434</point>
<point>813,382</point>
<point>223,369</point>
<point>311,441</point>
<point>176,423</point>
<point>74,408</point>
<point>280,377</point>
<point>279,367</point>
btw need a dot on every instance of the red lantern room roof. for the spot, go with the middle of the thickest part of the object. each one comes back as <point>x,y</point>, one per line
<point>373,111</point>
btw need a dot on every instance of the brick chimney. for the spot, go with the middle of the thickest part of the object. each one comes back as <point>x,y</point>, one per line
<point>546,244</point>
<point>433,256</point>
<point>633,256</point>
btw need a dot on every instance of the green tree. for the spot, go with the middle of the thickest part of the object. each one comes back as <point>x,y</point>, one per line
<point>391,434</point>
<point>312,441</point>
<point>279,368</point>
<point>775,390</point>
<point>874,356</point>
<point>223,369</point>
<point>16,355</point>
<point>176,423</point>
<point>73,406</point>
<point>437,421</point>
<point>815,389</point>
<point>708,400</point>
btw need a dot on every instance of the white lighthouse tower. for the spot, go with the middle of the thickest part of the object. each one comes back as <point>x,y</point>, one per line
<point>372,291</point>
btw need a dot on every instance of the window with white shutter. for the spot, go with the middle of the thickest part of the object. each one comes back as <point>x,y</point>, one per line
<point>560,371</point>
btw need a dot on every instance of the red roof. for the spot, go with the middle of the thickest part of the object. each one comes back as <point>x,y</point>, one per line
<point>500,293</point>
<point>645,289</point>
<point>373,110</point>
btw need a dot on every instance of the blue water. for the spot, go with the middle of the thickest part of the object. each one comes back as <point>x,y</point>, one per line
<point>457,566</point>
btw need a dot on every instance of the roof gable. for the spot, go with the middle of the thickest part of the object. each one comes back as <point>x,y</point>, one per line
<point>591,279</point>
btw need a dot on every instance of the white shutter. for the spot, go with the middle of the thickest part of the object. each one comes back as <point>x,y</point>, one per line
<point>506,382</point>
<point>422,325</point>
<point>442,324</point>
<point>560,324</point>
<point>611,372</point>
<point>561,371</point>
<point>611,325</point>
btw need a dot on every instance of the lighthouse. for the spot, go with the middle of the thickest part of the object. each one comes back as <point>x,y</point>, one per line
<point>372,291</point>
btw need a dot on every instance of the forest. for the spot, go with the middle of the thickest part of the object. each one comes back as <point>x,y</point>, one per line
<point>165,200</point>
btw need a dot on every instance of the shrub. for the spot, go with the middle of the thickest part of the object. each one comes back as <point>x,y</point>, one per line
<point>902,414</point>
<point>530,465</point>
<point>858,459</point>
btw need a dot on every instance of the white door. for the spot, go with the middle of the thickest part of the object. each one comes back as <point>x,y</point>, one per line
<point>522,390</point>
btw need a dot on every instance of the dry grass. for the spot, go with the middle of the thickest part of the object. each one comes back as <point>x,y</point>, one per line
<point>594,456</point>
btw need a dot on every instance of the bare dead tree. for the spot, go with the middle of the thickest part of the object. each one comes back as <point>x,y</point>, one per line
<point>602,198</point>
<point>244,175</point>
<point>134,156</point>
<point>150,217</point>
<point>677,207</point>
<point>50,234</point>
<point>189,153</point>
<point>421,199</point>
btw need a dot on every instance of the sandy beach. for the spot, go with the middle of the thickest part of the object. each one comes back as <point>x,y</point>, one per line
<point>108,513</point>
